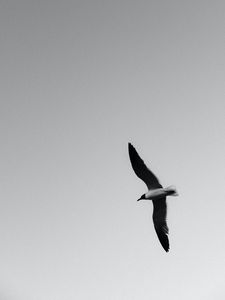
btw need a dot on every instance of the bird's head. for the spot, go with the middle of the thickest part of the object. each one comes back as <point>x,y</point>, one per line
<point>142,197</point>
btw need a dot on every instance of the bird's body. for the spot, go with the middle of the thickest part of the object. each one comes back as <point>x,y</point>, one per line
<point>156,193</point>
<point>160,192</point>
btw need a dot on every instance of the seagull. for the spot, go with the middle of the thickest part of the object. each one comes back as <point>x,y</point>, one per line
<point>156,193</point>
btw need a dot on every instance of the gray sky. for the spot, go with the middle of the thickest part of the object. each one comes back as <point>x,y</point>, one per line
<point>80,79</point>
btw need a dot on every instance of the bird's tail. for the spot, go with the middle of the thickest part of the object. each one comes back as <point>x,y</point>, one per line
<point>171,190</point>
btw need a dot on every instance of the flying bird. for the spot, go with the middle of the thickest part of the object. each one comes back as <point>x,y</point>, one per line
<point>156,193</point>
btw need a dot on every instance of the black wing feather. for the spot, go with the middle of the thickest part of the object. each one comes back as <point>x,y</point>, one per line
<point>159,220</point>
<point>141,170</point>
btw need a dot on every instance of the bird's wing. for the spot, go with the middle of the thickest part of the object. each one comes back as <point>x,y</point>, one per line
<point>159,220</point>
<point>141,170</point>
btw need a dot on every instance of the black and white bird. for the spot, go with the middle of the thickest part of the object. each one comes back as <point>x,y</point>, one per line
<point>156,193</point>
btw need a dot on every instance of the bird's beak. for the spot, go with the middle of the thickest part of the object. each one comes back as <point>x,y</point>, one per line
<point>139,199</point>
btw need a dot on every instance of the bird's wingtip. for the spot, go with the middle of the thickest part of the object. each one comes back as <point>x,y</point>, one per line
<point>130,145</point>
<point>166,248</point>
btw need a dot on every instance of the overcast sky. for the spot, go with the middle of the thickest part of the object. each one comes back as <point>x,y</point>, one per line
<point>79,80</point>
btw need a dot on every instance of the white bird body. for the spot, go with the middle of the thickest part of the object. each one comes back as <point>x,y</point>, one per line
<point>161,192</point>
